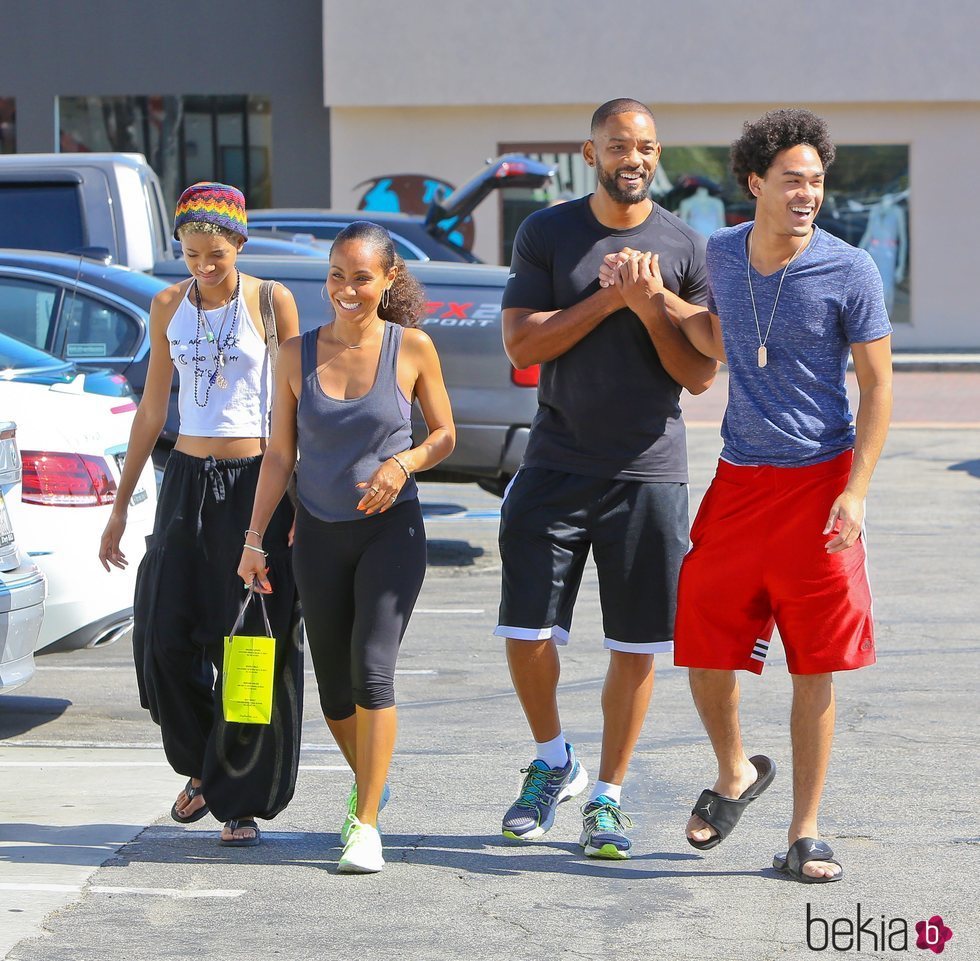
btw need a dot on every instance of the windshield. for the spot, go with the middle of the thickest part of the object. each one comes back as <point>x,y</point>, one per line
<point>41,216</point>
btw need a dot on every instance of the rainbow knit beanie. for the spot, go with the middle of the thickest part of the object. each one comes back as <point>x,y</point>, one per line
<point>212,203</point>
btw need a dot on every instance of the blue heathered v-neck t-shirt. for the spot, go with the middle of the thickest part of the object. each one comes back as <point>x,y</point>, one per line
<point>794,411</point>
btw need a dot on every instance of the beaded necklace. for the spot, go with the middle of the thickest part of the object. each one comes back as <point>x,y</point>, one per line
<point>218,343</point>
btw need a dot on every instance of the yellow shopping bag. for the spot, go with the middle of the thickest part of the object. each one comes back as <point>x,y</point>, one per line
<point>248,671</point>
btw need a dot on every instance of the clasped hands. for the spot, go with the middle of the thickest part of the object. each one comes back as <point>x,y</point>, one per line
<point>634,273</point>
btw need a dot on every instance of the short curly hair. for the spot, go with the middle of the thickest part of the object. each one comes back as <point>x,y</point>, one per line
<point>216,230</point>
<point>761,140</point>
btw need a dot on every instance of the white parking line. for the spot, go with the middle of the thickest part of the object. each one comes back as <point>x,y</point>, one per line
<point>113,746</point>
<point>176,893</point>
<point>54,764</point>
<point>119,667</point>
<point>84,764</point>
<point>154,834</point>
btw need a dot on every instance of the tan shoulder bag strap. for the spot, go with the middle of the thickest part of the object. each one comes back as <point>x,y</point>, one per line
<point>268,311</point>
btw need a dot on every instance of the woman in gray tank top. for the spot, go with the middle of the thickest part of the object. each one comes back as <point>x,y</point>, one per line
<point>343,396</point>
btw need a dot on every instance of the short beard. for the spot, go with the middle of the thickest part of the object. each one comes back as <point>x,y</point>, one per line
<point>617,193</point>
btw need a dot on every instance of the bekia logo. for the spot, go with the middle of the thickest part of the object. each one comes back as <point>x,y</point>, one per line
<point>933,934</point>
<point>870,932</point>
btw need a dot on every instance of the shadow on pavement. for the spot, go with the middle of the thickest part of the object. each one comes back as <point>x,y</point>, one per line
<point>481,854</point>
<point>441,510</point>
<point>65,845</point>
<point>453,553</point>
<point>971,467</point>
<point>18,715</point>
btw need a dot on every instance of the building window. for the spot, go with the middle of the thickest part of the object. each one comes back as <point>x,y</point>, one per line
<point>185,139</point>
<point>866,201</point>
<point>8,125</point>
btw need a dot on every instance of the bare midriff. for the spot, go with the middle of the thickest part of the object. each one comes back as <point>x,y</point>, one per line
<point>220,448</point>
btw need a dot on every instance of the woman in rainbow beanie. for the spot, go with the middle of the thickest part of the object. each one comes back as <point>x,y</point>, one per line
<point>212,329</point>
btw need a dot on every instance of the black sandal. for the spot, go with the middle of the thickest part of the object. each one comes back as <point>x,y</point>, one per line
<point>236,823</point>
<point>191,792</point>
<point>723,813</point>
<point>803,851</point>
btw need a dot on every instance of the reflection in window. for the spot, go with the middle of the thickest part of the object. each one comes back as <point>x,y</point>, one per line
<point>94,329</point>
<point>185,139</point>
<point>27,311</point>
<point>8,125</point>
<point>866,201</point>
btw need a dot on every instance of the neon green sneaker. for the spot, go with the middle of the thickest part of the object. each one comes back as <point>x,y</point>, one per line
<point>604,830</point>
<point>352,809</point>
<point>362,852</point>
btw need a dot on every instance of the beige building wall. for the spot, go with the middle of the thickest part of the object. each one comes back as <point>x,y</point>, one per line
<point>460,78</point>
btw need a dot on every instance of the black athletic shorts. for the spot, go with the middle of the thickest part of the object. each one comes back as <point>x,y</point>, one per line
<point>638,532</point>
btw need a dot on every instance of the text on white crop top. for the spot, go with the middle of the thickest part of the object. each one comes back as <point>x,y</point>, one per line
<point>240,409</point>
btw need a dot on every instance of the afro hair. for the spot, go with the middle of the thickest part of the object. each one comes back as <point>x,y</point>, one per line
<point>755,150</point>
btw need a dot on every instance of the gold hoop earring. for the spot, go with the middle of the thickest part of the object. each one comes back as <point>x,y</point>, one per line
<point>385,298</point>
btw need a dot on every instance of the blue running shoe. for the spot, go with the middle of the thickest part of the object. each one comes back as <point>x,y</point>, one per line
<point>604,830</point>
<point>351,819</point>
<point>532,814</point>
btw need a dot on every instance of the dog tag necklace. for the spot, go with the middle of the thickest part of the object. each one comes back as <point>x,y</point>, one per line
<point>763,355</point>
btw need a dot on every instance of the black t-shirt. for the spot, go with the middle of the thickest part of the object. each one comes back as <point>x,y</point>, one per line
<point>606,407</point>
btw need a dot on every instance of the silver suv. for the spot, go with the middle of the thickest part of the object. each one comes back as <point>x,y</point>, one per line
<point>22,586</point>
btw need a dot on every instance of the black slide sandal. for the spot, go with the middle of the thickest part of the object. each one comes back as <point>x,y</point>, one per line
<point>805,850</point>
<point>723,813</point>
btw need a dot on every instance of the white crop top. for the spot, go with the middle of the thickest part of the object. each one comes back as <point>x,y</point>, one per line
<point>225,378</point>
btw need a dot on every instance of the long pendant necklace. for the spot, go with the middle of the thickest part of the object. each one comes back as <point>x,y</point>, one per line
<point>762,358</point>
<point>217,342</point>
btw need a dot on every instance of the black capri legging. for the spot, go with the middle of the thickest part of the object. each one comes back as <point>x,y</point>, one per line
<point>358,582</point>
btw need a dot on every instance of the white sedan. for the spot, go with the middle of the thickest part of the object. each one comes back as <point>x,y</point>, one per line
<point>73,444</point>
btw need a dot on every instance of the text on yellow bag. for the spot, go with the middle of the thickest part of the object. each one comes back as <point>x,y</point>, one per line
<point>248,671</point>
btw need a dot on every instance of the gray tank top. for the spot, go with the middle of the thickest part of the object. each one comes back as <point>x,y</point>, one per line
<point>343,442</point>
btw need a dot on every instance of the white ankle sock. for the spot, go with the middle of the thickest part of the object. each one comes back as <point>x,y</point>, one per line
<point>552,752</point>
<point>612,791</point>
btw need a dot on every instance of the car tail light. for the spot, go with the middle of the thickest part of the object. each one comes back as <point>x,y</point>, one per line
<point>66,480</point>
<point>511,168</point>
<point>527,376</point>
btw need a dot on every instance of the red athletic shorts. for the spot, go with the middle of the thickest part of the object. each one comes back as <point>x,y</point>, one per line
<point>758,560</point>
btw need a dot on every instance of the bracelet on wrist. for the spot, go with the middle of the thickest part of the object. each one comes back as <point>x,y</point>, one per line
<point>258,550</point>
<point>256,533</point>
<point>405,470</point>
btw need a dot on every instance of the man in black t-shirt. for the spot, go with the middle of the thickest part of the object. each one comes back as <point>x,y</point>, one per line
<point>606,462</point>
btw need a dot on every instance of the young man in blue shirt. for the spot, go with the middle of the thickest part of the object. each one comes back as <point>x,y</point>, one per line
<point>778,537</point>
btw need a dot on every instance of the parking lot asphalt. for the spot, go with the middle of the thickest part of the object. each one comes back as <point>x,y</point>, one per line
<point>92,867</point>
